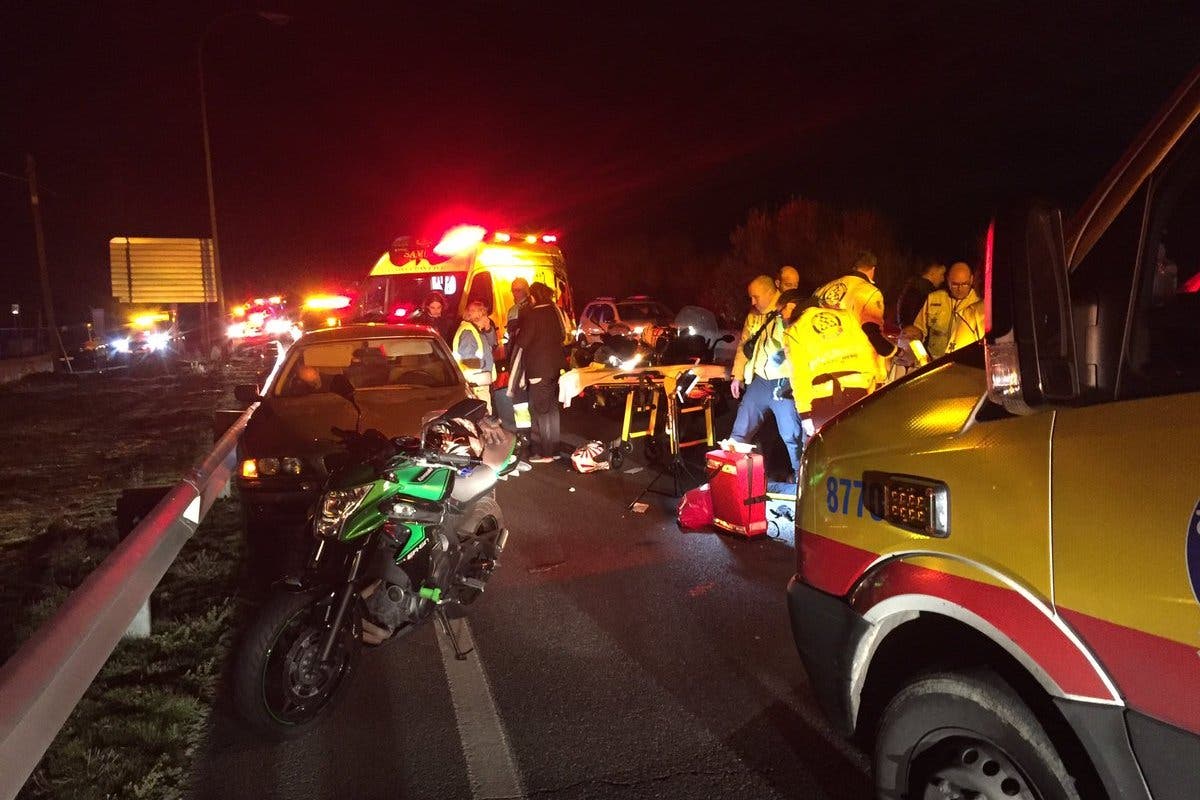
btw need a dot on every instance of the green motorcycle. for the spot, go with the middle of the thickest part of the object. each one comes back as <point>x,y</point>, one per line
<point>406,530</point>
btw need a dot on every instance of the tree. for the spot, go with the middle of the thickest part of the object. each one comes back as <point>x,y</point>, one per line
<point>819,240</point>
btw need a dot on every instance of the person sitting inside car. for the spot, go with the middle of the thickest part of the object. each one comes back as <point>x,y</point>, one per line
<point>306,381</point>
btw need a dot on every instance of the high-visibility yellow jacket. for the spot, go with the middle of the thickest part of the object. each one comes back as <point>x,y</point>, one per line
<point>853,292</point>
<point>768,359</point>
<point>470,342</point>
<point>754,321</point>
<point>826,347</point>
<point>947,324</point>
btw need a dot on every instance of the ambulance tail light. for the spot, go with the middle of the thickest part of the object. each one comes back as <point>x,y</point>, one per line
<point>1029,346</point>
<point>915,504</point>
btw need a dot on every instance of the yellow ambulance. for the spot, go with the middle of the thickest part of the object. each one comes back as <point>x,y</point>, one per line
<point>997,589</point>
<point>469,262</point>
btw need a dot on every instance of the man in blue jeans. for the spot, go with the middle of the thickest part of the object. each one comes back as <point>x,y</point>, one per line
<point>761,366</point>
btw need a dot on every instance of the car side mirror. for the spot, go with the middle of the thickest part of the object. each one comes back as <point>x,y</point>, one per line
<point>246,393</point>
<point>1029,346</point>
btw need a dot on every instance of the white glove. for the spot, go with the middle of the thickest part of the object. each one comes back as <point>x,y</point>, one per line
<point>807,426</point>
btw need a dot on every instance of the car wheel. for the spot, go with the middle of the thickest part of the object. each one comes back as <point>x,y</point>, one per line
<point>966,735</point>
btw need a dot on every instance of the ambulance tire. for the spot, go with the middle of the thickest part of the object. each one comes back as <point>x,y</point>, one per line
<point>966,735</point>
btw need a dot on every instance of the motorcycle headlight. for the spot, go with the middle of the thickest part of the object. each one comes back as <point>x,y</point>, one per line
<point>335,508</point>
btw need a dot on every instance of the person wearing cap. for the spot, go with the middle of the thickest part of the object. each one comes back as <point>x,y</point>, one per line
<point>951,318</point>
<point>833,361</point>
<point>761,366</point>
<point>789,278</point>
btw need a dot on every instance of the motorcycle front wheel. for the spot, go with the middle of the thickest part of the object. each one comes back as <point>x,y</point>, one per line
<point>279,685</point>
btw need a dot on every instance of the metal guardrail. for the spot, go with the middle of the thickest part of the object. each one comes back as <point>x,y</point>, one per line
<point>45,679</point>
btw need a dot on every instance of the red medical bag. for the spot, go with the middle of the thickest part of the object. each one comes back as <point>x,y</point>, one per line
<point>739,492</point>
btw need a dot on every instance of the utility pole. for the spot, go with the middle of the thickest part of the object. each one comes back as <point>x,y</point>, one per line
<point>47,301</point>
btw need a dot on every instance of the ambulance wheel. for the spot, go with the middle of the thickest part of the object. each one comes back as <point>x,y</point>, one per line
<point>966,735</point>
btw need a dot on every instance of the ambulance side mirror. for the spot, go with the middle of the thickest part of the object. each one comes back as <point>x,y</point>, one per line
<point>1030,343</point>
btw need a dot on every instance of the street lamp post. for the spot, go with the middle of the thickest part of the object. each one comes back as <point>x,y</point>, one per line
<point>274,18</point>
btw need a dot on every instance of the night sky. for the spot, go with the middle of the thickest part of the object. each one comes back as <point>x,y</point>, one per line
<point>345,128</point>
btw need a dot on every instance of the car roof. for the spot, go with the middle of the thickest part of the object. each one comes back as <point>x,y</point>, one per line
<point>365,330</point>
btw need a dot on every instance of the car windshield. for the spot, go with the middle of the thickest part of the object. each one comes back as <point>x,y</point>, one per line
<point>643,309</point>
<point>382,363</point>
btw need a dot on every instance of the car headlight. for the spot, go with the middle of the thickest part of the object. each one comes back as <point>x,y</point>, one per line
<point>278,325</point>
<point>120,345</point>
<point>158,340</point>
<point>258,467</point>
<point>335,508</point>
<point>236,331</point>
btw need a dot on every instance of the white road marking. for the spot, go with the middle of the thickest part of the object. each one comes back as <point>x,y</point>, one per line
<point>491,768</point>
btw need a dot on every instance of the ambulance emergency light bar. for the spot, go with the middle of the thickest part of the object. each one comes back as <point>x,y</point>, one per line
<point>461,238</point>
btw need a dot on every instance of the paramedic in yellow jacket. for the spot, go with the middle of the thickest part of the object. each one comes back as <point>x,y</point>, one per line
<point>951,318</point>
<point>834,362</point>
<point>473,344</point>
<point>855,291</point>
<point>761,366</point>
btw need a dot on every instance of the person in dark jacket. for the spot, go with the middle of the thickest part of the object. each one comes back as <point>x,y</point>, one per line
<point>537,363</point>
<point>912,296</point>
<point>435,313</point>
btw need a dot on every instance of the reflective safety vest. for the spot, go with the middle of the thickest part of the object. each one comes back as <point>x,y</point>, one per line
<point>741,362</point>
<point>853,292</point>
<point>473,346</point>
<point>828,349</point>
<point>947,324</point>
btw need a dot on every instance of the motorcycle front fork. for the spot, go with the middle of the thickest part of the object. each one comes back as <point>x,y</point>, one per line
<point>345,598</point>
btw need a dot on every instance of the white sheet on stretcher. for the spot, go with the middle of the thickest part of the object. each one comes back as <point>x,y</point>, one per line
<point>572,383</point>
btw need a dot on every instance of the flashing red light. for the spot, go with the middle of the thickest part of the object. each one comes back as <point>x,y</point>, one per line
<point>400,312</point>
<point>458,239</point>
<point>500,236</point>
<point>549,238</point>
<point>988,267</point>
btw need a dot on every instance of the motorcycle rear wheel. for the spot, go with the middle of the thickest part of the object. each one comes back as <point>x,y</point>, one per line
<point>278,688</point>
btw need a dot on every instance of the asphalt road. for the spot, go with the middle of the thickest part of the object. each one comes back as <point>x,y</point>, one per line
<point>616,657</point>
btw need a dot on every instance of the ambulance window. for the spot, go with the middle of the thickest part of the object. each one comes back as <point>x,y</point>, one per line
<point>1100,290</point>
<point>1163,352</point>
<point>481,290</point>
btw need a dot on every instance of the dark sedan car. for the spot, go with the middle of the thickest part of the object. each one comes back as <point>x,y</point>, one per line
<point>399,373</point>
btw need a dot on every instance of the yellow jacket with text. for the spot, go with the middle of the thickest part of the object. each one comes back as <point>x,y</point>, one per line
<point>947,324</point>
<point>826,347</point>
<point>853,292</point>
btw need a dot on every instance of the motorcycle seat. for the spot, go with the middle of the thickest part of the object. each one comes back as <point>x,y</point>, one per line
<point>468,487</point>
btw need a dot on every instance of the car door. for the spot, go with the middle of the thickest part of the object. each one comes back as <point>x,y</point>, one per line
<point>1125,470</point>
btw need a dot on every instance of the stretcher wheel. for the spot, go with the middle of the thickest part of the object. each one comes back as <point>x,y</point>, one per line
<point>617,457</point>
<point>652,449</point>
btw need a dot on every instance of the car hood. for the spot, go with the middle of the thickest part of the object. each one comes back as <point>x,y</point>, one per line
<point>300,426</point>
